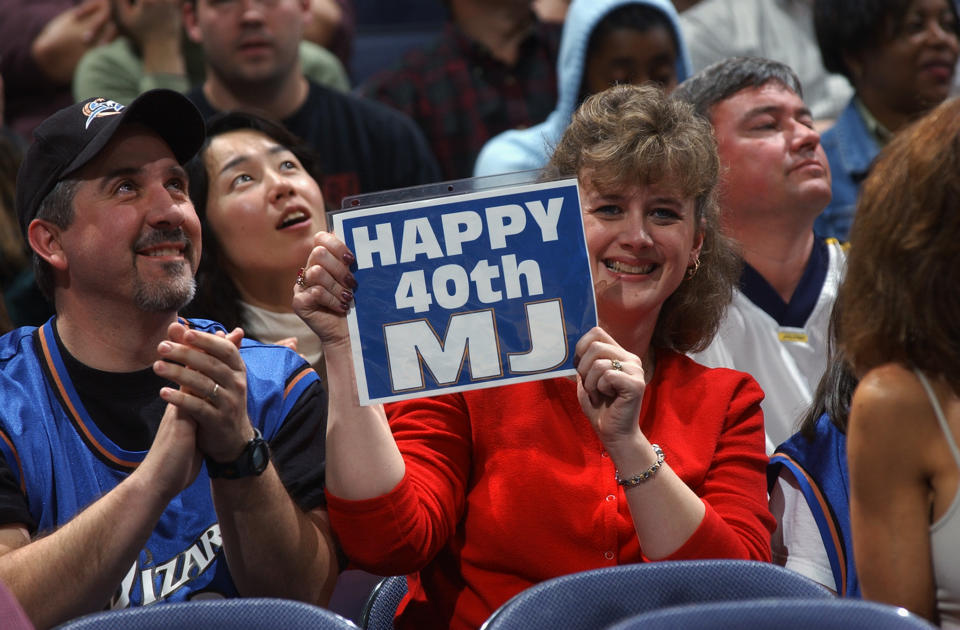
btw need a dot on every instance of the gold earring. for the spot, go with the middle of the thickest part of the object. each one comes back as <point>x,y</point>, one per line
<point>692,271</point>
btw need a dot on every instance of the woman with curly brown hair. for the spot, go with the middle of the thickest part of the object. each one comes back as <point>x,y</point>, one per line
<point>646,455</point>
<point>900,328</point>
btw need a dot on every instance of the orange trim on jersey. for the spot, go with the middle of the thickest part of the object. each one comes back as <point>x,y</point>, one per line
<point>16,456</point>
<point>73,411</point>
<point>828,517</point>
<point>296,379</point>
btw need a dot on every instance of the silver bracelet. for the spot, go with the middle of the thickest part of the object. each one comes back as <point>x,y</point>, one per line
<point>645,475</point>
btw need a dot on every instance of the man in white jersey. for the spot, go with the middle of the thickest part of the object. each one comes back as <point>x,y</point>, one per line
<point>776,182</point>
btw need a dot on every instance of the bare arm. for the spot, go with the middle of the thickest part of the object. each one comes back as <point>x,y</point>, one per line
<point>323,22</point>
<point>97,547</point>
<point>272,547</point>
<point>890,497</point>
<point>363,460</point>
<point>61,43</point>
<point>665,511</point>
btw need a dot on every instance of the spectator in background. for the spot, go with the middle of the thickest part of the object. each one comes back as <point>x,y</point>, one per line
<point>252,63</point>
<point>14,261</point>
<point>492,69</point>
<point>900,56</point>
<point>605,42</point>
<point>13,251</point>
<point>899,312</point>
<point>41,42</point>
<point>455,490</point>
<point>22,301</point>
<point>152,52</point>
<point>333,25</point>
<point>254,186</point>
<point>775,183</point>
<point>781,30</point>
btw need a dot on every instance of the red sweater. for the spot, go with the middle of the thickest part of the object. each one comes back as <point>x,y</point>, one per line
<point>510,486</point>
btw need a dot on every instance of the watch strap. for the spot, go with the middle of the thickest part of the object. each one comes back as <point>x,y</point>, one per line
<point>252,460</point>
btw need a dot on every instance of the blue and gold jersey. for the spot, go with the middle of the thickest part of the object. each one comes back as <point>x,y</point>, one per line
<point>63,462</point>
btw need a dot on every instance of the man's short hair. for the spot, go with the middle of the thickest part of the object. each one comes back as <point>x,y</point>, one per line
<point>723,79</point>
<point>57,208</point>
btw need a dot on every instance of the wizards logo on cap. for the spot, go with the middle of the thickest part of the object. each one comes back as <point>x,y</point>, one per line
<point>100,107</point>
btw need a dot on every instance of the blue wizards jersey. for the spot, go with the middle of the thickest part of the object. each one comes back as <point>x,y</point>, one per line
<point>820,468</point>
<point>63,462</point>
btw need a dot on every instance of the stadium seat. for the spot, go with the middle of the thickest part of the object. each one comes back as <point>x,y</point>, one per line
<point>379,610</point>
<point>779,614</point>
<point>600,597</point>
<point>215,614</point>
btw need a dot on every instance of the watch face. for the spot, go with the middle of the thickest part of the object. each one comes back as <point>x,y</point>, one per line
<point>259,457</point>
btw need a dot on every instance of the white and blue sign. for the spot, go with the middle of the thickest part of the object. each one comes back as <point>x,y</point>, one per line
<point>467,291</point>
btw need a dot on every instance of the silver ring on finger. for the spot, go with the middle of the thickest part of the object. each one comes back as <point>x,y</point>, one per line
<point>214,393</point>
<point>616,365</point>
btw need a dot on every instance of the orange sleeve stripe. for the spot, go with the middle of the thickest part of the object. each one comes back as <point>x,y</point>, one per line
<point>827,513</point>
<point>296,379</point>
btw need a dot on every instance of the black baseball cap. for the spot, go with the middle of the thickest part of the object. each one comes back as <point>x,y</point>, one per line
<point>70,138</point>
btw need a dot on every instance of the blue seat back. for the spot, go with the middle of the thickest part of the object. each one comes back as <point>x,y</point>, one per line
<point>216,614</point>
<point>782,614</point>
<point>598,598</point>
<point>382,604</point>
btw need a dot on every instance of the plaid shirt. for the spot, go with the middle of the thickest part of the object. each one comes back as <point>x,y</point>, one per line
<point>461,96</point>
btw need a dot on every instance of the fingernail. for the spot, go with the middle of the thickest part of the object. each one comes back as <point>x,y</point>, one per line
<point>351,281</point>
<point>346,296</point>
<point>165,347</point>
<point>344,307</point>
<point>349,258</point>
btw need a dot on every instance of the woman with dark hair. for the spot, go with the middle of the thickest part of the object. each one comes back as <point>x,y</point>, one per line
<point>900,308</point>
<point>900,56</point>
<point>645,456</point>
<point>255,187</point>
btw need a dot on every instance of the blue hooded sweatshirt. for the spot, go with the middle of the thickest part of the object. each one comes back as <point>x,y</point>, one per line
<point>520,150</point>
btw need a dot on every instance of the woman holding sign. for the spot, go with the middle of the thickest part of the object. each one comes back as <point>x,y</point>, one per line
<point>645,456</point>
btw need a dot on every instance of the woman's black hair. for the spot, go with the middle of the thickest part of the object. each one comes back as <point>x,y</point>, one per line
<point>217,296</point>
<point>835,390</point>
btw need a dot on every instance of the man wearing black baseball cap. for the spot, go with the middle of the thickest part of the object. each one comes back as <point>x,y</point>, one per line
<point>161,458</point>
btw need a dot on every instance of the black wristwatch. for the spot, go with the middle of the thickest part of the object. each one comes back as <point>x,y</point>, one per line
<point>251,462</point>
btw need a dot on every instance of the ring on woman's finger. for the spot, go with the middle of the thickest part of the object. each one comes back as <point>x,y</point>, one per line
<point>616,365</point>
<point>214,392</point>
<point>301,279</point>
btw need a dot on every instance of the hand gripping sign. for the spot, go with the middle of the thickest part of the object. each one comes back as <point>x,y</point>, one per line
<point>467,291</point>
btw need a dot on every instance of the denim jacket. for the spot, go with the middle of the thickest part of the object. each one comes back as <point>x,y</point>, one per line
<point>850,148</point>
